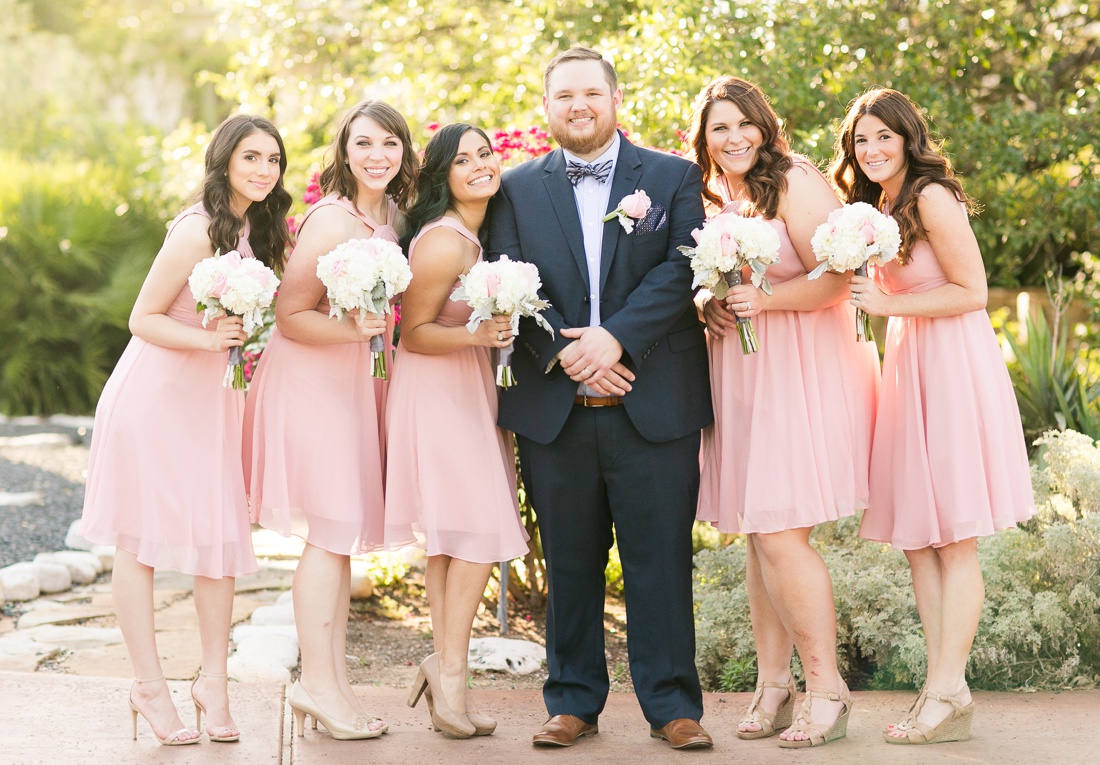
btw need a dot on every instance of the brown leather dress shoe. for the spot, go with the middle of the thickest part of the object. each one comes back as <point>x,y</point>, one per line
<point>564,730</point>
<point>684,733</point>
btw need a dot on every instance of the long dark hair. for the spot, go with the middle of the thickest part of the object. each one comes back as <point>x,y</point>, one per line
<point>336,177</point>
<point>767,178</point>
<point>433,195</point>
<point>268,234</point>
<point>925,162</point>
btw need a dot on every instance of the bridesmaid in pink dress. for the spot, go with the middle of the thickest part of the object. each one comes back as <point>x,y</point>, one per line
<point>450,484</point>
<point>313,450</point>
<point>165,484</point>
<point>949,462</point>
<point>791,438</point>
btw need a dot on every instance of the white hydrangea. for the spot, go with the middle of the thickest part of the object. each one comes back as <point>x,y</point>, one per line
<point>364,274</point>
<point>231,284</point>
<point>727,243</point>
<point>854,235</point>
<point>502,287</point>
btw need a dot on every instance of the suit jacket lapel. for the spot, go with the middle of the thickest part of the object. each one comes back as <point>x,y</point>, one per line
<point>565,206</point>
<point>628,169</point>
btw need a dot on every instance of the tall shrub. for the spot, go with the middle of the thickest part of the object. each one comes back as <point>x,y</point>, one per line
<point>73,255</point>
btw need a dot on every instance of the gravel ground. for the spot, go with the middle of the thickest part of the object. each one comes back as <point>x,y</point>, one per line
<point>54,471</point>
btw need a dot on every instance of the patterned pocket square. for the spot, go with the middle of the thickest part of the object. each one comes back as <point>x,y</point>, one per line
<point>655,220</point>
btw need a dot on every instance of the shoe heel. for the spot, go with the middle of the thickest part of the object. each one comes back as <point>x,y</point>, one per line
<point>785,716</point>
<point>134,714</point>
<point>198,716</point>
<point>958,729</point>
<point>839,729</point>
<point>300,721</point>
<point>419,686</point>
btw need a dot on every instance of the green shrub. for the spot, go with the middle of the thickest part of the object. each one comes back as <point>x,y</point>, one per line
<point>73,255</point>
<point>1040,627</point>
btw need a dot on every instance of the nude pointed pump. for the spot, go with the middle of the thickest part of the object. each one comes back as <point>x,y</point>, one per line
<point>443,717</point>
<point>172,739</point>
<point>302,704</point>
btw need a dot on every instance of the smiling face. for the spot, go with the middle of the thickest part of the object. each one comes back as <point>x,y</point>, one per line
<point>581,107</point>
<point>253,170</point>
<point>475,170</point>
<point>374,155</point>
<point>880,153</point>
<point>732,140</point>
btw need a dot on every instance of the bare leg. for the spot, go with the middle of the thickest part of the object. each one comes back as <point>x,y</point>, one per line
<point>340,639</point>
<point>435,585</point>
<point>962,595</point>
<point>318,600</point>
<point>214,606</point>
<point>464,587</point>
<point>132,590</point>
<point>804,603</point>
<point>927,573</point>
<point>774,644</point>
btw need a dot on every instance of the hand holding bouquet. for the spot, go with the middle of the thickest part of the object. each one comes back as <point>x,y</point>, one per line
<point>503,287</point>
<point>726,244</point>
<point>231,285</point>
<point>364,275</point>
<point>854,235</point>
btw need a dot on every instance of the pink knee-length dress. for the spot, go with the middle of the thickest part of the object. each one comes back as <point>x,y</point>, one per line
<point>313,433</point>
<point>451,483</point>
<point>164,473</point>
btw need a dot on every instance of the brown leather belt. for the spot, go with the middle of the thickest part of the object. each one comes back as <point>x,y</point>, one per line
<point>591,401</point>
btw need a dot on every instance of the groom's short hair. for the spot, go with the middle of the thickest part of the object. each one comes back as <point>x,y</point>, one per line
<point>581,54</point>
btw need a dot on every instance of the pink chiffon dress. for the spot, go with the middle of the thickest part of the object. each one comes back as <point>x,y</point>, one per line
<point>164,473</point>
<point>451,483</point>
<point>949,461</point>
<point>791,439</point>
<point>313,433</point>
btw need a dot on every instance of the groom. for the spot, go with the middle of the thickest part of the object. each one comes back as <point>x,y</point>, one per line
<point>607,412</point>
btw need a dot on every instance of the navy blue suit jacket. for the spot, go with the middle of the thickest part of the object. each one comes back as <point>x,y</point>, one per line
<point>645,293</point>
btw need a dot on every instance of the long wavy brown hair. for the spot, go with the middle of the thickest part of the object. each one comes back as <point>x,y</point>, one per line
<point>336,177</point>
<point>767,179</point>
<point>268,234</point>
<point>925,163</point>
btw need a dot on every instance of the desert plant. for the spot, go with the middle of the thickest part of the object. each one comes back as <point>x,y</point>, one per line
<point>73,255</point>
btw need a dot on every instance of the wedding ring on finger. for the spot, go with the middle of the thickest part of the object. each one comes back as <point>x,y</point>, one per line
<point>500,336</point>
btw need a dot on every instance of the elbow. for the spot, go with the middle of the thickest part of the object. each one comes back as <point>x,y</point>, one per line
<point>979,298</point>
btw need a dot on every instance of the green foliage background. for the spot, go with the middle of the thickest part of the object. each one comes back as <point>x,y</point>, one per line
<point>1012,86</point>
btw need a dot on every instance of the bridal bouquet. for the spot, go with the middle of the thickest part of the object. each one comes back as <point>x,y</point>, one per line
<point>854,235</point>
<point>231,285</point>
<point>503,287</point>
<point>726,244</point>
<point>365,274</point>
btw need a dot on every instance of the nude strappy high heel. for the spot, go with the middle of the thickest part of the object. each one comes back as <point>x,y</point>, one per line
<point>817,735</point>
<point>954,727</point>
<point>770,723</point>
<point>172,739</point>
<point>226,734</point>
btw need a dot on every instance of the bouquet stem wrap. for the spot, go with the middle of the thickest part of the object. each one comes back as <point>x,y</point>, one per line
<point>234,372</point>
<point>505,378</point>
<point>744,325</point>
<point>378,357</point>
<point>864,333</point>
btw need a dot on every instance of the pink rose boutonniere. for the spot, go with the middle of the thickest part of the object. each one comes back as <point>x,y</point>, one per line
<point>632,206</point>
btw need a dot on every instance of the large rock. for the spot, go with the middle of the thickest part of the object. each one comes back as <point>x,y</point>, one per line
<point>520,657</point>
<point>83,567</point>
<point>106,555</point>
<point>20,585</point>
<point>243,632</point>
<point>262,670</point>
<point>362,584</point>
<point>52,577</point>
<point>276,615</point>
<point>74,541</point>
<point>269,646</point>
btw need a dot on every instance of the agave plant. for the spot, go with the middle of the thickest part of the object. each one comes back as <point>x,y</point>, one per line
<point>1054,388</point>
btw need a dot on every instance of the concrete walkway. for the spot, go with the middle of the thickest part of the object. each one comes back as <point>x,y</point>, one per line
<point>52,719</point>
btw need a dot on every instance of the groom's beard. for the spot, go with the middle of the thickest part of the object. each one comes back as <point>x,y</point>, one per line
<point>602,130</point>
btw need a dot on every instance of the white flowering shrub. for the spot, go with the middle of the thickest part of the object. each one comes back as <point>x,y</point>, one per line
<point>1040,627</point>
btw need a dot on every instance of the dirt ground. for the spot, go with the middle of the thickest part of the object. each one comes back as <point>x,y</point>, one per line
<point>390,634</point>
